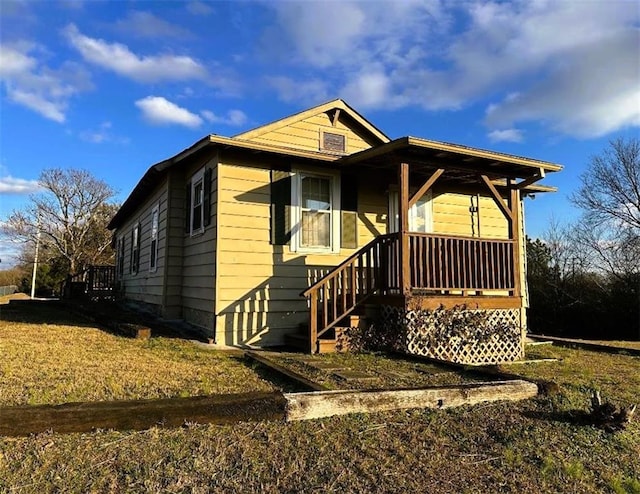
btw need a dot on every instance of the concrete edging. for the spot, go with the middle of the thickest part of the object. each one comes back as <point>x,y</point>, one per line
<point>319,404</point>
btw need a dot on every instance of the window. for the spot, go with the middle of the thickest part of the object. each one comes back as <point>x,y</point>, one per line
<point>135,249</point>
<point>332,141</point>
<point>120,254</point>
<point>315,218</point>
<point>420,214</point>
<point>153,259</point>
<point>198,193</point>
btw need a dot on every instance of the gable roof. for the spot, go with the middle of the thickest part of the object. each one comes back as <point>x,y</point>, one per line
<point>335,105</point>
<point>423,152</point>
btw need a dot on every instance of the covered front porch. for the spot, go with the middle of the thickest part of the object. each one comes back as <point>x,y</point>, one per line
<point>410,276</point>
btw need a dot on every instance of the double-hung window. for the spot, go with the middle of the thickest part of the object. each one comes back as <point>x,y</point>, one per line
<point>135,249</point>
<point>121,256</point>
<point>153,258</point>
<point>315,213</point>
<point>197,194</point>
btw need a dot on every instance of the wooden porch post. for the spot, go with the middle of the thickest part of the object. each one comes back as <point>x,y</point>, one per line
<point>403,227</point>
<point>514,234</point>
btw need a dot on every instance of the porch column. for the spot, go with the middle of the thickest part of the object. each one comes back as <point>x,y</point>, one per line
<point>514,234</point>
<point>403,227</point>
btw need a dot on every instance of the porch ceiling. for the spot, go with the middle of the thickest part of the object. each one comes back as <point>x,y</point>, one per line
<point>461,163</point>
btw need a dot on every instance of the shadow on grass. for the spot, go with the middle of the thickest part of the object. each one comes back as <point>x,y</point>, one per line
<point>106,316</point>
<point>40,312</point>
<point>280,381</point>
<point>571,417</point>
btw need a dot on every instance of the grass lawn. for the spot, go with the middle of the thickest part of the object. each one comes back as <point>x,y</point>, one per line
<point>50,356</point>
<point>381,371</point>
<point>531,446</point>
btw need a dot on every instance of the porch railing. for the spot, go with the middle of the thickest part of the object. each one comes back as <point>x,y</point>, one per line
<point>95,281</point>
<point>438,263</point>
<point>448,263</point>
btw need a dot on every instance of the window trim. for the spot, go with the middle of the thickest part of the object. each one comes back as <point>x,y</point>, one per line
<point>392,215</point>
<point>197,177</point>
<point>135,249</point>
<point>296,212</point>
<point>120,255</point>
<point>153,252</point>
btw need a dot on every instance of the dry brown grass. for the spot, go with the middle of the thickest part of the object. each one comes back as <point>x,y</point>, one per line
<point>5,299</point>
<point>383,371</point>
<point>531,446</point>
<point>619,343</point>
<point>49,356</point>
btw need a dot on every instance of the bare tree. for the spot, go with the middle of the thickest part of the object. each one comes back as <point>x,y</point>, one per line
<point>609,196</point>
<point>610,190</point>
<point>71,214</point>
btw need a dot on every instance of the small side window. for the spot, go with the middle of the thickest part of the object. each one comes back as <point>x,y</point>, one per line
<point>120,257</point>
<point>153,257</point>
<point>135,249</point>
<point>197,203</point>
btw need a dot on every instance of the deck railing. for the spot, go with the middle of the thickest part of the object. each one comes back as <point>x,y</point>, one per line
<point>448,263</point>
<point>438,263</point>
<point>95,281</point>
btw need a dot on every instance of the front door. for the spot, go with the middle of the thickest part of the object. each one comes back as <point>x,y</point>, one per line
<point>420,214</point>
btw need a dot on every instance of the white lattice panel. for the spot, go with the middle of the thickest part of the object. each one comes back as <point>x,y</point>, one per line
<point>419,329</point>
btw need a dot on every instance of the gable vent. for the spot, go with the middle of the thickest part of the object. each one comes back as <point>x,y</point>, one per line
<point>334,142</point>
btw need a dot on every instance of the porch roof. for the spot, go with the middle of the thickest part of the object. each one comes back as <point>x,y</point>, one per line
<point>464,162</point>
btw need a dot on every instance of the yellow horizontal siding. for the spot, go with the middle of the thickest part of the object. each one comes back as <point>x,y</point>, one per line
<point>305,134</point>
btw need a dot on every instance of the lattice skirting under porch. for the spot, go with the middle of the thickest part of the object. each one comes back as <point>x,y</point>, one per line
<point>419,336</point>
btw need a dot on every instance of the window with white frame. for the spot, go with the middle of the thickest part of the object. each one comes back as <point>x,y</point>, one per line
<point>315,213</point>
<point>120,257</point>
<point>135,249</point>
<point>197,202</point>
<point>420,214</point>
<point>153,258</point>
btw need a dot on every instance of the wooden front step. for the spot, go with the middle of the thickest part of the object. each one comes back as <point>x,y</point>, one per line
<point>327,342</point>
<point>301,342</point>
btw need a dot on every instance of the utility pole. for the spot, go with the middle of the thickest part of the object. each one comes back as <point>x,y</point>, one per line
<point>35,264</point>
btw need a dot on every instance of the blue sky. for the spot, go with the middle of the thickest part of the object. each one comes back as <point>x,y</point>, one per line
<point>113,87</point>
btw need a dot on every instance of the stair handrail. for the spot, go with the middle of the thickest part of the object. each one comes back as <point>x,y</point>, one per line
<point>312,292</point>
<point>348,260</point>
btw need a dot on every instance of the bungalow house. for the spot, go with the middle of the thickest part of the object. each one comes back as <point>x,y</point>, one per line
<point>317,218</point>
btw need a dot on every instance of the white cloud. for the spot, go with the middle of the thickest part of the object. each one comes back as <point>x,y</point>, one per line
<point>505,135</point>
<point>369,89</point>
<point>12,185</point>
<point>310,91</point>
<point>118,58</point>
<point>233,118</point>
<point>147,25</point>
<point>102,134</point>
<point>573,64</point>
<point>30,83</point>
<point>160,111</point>
<point>199,8</point>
